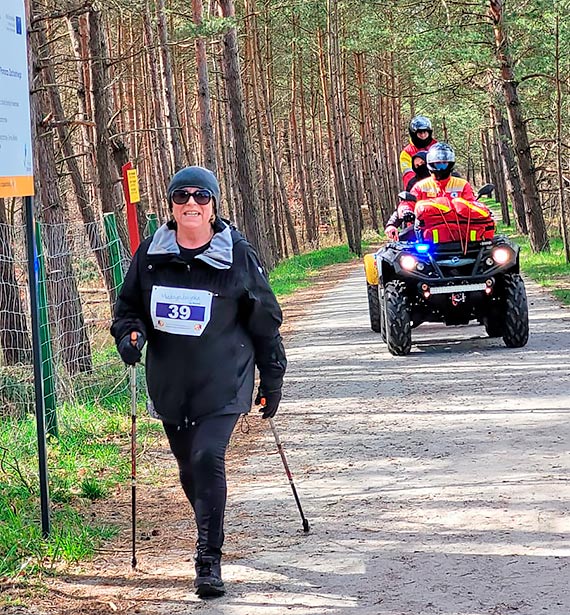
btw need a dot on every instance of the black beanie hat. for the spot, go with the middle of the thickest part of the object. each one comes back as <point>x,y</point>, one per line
<point>195,176</point>
<point>420,170</point>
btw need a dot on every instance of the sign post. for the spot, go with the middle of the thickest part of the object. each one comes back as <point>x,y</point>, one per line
<point>17,180</point>
<point>132,196</point>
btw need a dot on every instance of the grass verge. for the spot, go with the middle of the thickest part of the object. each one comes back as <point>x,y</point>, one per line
<point>549,269</point>
<point>296,272</point>
<point>85,463</point>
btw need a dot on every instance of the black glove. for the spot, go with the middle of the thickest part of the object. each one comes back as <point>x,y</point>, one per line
<point>129,349</point>
<point>269,401</point>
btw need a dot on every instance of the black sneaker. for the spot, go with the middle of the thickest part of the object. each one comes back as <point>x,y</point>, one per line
<point>208,581</point>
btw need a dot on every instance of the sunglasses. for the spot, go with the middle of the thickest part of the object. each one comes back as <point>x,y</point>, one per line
<point>201,197</point>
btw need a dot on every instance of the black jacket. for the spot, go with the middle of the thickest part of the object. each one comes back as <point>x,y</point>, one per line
<point>191,376</point>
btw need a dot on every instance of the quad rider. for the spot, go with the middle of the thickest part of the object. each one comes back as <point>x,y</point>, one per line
<point>440,161</point>
<point>403,216</point>
<point>445,207</point>
<point>421,139</point>
<point>441,184</point>
<point>401,223</point>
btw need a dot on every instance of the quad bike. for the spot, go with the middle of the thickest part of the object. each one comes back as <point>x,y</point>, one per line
<point>410,282</point>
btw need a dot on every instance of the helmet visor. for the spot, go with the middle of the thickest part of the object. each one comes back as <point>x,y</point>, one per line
<point>438,166</point>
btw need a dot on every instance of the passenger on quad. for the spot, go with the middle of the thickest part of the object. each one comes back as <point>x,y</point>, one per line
<point>420,169</point>
<point>400,225</point>
<point>441,185</point>
<point>421,139</point>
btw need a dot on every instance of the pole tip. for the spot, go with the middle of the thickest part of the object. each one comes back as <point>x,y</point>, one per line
<point>306,527</point>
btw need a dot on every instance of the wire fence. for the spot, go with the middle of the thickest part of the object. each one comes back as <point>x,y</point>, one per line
<point>80,269</point>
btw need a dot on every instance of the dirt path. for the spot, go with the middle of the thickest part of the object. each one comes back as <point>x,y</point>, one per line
<point>435,483</point>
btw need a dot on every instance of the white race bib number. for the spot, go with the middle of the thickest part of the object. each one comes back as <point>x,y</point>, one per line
<point>180,311</point>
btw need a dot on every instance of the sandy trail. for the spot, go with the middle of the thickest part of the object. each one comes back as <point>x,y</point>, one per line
<point>436,483</point>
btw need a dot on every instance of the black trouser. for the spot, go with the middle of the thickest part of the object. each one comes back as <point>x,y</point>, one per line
<point>200,452</point>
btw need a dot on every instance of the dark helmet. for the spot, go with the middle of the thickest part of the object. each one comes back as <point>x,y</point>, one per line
<point>440,160</point>
<point>420,122</point>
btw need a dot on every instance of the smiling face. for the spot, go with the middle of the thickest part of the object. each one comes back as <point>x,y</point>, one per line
<point>192,217</point>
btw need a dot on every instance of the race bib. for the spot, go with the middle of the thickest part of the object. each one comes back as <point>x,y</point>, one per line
<point>180,311</point>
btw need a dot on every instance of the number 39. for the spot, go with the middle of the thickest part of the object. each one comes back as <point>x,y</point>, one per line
<point>181,312</point>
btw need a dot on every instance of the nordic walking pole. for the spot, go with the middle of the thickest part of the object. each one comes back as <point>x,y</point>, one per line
<point>288,472</point>
<point>133,374</point>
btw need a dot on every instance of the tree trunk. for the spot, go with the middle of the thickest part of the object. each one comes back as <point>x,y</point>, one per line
<point>390,145</point>
<point>296,146</point>
<point>350,217</point>
<point>168,90</point>
<point>330,77</point>
<point>559,145</point>
<point>485,147</point>
<point>263,156</point>
<point>78,28</point>
<point>306,162</point>
<point>82,197</point>
<point>351,168</point>
<point>538,236</point>
<point>510,169</point>
<point>271,133</point>
<point>367,137</point>
<point>245,167</point>
<point>109,150</point>
<point>14,335</point>
<point>225,155</point>
<point>328,105</point>
<point>497,176</point>
<point>164,166</point>
<point>64,302</point>
<point>206,128</point>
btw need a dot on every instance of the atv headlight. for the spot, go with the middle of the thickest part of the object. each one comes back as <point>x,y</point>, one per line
<point>501,255</point>
<point>408,262</point>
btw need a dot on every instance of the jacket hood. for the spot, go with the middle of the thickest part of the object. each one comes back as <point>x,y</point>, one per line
<point>219,253</point>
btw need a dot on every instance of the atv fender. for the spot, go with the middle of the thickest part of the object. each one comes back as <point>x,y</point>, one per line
<point>371,269</point>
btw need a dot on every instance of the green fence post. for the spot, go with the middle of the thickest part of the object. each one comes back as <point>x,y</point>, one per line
<point>151,224</point>
<point>46,351</point>
<point>114,247</point>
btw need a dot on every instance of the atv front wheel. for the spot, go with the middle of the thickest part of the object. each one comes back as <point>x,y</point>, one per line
<point>515,333</point>
<point>382,314</point>
<point>493,323</point>
<point>398,327</point>
<point>374,307</point>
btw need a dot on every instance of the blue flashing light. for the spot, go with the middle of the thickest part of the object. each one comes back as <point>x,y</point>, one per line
<point>422,248</point>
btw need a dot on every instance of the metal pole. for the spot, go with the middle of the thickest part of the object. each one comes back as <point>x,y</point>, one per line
<point>47,363</point>
<point>37,360</point>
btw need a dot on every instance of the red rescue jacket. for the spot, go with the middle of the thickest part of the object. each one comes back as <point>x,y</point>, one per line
<point>452,187</point>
